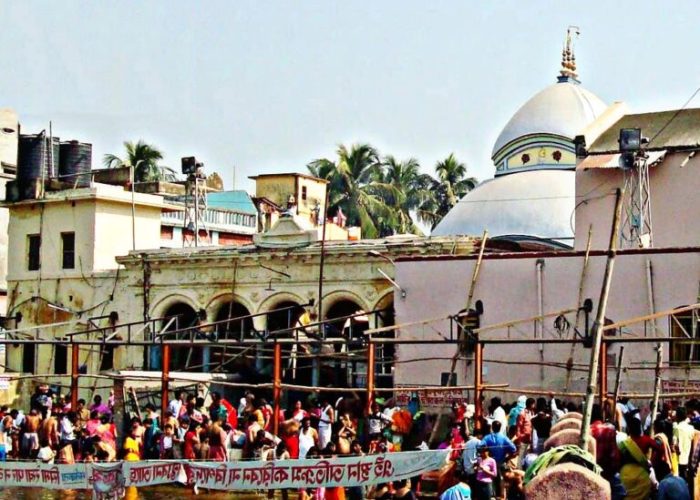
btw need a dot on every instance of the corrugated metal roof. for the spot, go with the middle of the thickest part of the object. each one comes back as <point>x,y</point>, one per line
<point>238,201</point>
<point>679,129</point>
<point>613,160</point>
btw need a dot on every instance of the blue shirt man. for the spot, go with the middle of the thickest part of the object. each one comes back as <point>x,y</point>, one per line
<point>499,445</point>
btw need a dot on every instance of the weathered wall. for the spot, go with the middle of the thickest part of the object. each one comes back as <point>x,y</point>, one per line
<point>508,288</point>
<point>674,206</point>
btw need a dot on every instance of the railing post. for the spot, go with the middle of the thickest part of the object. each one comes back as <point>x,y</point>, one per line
<point>370,375</point>
<point>164,379</point>
<point>277,386</point>
<point>74,369</point>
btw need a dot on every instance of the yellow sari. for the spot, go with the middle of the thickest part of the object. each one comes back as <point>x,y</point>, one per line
<point>635,471</point>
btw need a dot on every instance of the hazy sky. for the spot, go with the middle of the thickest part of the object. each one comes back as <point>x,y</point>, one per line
<point>269,86</point>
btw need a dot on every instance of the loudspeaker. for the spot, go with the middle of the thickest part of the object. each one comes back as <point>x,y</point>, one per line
<point>189,165</point>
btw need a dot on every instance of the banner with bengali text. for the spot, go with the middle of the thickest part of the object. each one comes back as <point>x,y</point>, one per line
<point>240,475</point>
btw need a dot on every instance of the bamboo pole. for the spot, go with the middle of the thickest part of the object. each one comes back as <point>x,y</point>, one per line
<point>470,296</point>
<point>603,385</point>
<point>600,320</point>
<point>618,375</point>
<point>649,317</point>
<point>370,377</point>
<point>579,302</point>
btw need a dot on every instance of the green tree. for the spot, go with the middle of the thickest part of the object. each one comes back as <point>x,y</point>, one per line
<point>356,187</point>
<point>450,185</point>
<point>144,158</point>
<point>410,191</point>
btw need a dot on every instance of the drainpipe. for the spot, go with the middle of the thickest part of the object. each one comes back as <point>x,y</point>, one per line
<point>540,312</point>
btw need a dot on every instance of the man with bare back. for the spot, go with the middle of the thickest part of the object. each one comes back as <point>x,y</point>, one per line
<point>30,436</point>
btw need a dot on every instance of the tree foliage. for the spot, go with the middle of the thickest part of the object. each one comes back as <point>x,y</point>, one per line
<point>144,158</point>
<point>386,196</point>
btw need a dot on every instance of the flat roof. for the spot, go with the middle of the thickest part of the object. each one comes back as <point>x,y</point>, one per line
<point>287,174</point>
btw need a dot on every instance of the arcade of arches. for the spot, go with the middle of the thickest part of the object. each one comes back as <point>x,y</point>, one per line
<point>340,365</point>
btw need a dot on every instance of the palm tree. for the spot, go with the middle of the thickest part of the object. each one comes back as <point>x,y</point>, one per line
<point>356,187</point>
<point>144,158</point>
<point>451,185</point>
<point>410,191</point>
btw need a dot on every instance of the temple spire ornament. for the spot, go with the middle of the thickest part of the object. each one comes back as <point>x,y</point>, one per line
<point>568,58</point>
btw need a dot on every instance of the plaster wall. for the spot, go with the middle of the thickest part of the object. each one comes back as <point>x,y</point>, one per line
<point>113,235</point>
<point>507,286</point>
<point>675,210</point>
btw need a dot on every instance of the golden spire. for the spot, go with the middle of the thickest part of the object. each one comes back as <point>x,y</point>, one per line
<point>568,59</point>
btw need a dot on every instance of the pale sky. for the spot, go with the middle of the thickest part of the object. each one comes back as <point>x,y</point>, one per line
<point>269,86</point>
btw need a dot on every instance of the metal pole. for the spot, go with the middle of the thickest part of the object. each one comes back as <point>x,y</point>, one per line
<point>164,380</point>
<point>657,387</point>
<point>599,322</point>
<point>277,389</point>
<point>370,376</point>
<point>316,362</point>
<point>478,375</point>
<point>74,373</point>
<point>196,211</point>
<point>132,175</point>
<point>322,260</point>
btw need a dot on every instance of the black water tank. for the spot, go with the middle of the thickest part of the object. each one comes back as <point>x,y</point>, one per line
<point>34,159</point>
<point>75,163</point>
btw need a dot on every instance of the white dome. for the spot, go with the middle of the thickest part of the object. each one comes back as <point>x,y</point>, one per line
<point>563,109</point>
<point>536,203</point>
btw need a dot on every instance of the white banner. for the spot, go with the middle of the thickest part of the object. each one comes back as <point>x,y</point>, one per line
<point>63,476</point>
<point>105,478</point>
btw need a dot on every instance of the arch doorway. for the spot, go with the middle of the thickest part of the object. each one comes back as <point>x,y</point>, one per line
<point>295,367</point>
<point>240,327</point>
<point>182,358</point>
<point>347,364</point>
<point>385,352</point>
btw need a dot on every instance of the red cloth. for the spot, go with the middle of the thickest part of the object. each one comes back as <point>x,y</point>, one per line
<point>232,414</point>
<point>607,452</point>
<point>188,449</point>
<point>292,443</point>
<point>646,443</point>
<point>523,428</point>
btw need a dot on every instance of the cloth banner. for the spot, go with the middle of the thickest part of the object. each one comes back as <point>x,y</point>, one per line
<point>109,479</point>
<point>40,475</point>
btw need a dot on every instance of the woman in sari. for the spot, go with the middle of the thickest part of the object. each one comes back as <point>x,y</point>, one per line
<point>634,473</point>
<point>662,440</point>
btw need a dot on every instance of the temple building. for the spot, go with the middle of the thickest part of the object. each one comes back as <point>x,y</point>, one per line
<point>533,192</point>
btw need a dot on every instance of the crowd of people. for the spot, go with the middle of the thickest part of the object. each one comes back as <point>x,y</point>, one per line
<point>640,458</point>
<point>488,457</point>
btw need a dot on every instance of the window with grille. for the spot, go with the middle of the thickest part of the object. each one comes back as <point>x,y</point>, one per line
<point>34,252</point>
<point>68,244</point>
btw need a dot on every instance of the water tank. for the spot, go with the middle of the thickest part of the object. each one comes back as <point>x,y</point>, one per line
<point>75,163</point>
<point>34,159</point>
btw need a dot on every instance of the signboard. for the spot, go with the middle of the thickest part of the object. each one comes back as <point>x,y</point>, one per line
<point>432,399</point>
<point>672,386</point>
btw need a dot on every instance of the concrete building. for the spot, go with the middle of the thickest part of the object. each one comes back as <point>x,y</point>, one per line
<point>532,207</point>
<point>9,134</point>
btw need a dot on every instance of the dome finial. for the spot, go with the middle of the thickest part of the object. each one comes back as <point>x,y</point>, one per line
<point>568,58</point>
